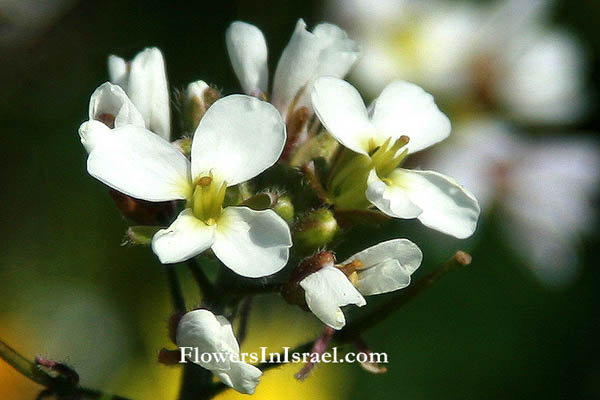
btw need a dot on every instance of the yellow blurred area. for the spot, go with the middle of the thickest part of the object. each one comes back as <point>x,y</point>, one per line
<point>276,325</point>
<point>272,324</point>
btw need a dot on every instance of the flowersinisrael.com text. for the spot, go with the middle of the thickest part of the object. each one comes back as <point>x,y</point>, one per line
<point>263,356</point>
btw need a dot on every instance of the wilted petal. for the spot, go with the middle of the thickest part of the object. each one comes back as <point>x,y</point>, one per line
<point>252,243</point>
<point>211,333</point>
<point>240,376</point>
<point>447,206</point>
<point>146,87</point>
<point>136,162</point>
<point>391,200</point>
<point>387,266</point>
<point>109,103</point>
<point>405,109</point>
<point>326,51</point>
<point>248,53</point>
<point>342,111</point>
<point>238,138</point>
<point>185,238</point>
<point>326,291</point>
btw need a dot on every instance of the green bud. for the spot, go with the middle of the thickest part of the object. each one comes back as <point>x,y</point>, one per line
<point>140,235</point>
<point>261,201</point>
<point>314,230</point>
<point>184,145</point>
<point>284,208</point>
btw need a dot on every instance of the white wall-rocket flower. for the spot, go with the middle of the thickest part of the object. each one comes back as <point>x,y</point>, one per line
<point>144,79</point>
<point>326,51</point>
<point>503,53</point>
<point>402,120</point>
<point>238,138</point>
<point>379,269</point>
<point>209,333</point>
<point>543,190</point>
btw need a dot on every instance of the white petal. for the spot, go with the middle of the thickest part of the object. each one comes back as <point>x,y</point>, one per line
<point>326,291</point>
<point>118,71</point>
<point>185,238</point>
<point>387,266</point>
<point>391,200</point>
<point>209,333</point>
<point>136,162</point>
<point>326,51</point>
<point>110,100</point>
<point>148,89</point>
<point>252,243</point>
<point>240,376</point>
<point>248,53</point>
<point>343,113</point>
<point>405,109</point>
<point>238,138</point>
<point>447,206</point>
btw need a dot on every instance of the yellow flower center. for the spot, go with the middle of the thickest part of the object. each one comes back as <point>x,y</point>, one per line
<point>348,182</point>
<point>207,199</point>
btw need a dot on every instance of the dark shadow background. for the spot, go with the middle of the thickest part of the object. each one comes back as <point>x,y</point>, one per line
<point>489,331</point>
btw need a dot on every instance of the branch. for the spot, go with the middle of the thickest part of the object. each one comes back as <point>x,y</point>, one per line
<point>24,366</point>
<point>54,384</point>
<point>376,314</point>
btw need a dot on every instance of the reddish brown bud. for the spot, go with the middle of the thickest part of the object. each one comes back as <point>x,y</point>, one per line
<point>141,211</point>
<point>291,291</point>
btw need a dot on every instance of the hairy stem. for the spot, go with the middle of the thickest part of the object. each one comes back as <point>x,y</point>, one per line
<point>24,366</point>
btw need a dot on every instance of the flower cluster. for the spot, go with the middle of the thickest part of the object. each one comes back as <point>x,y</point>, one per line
<point>505,71</point>
<point>250,175</point>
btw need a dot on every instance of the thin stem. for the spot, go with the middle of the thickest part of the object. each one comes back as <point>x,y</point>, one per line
<point>24,366</point>
<point>175,288</point>
<point>244,318</point>
<point>32,371</point>
<point>205,285</point>
<point>313,180</point>
<point>384,310</point>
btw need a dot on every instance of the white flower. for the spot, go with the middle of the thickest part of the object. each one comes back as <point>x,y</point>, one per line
<point>379,269</point>
<point>213,334</point>
<point>326,51</point>
<point>238,138</point>
<point>503,51</point>
<point>144,79</point>
<point>543,190</point>
<point>402,111</point>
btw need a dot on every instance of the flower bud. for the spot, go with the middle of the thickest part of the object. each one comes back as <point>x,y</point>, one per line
<point>141,211</point>
<point>140,235</point>
<point>314,230</point>
<point>199,97</point>
<point>184,145</point>
<point>284,208</point>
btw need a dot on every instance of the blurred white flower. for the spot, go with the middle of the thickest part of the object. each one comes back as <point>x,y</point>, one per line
<point>224,153</point>
<point>212,334</point>
<point>543,189</point>
<point>326,51</point>
<point>402,120</point>
<point>503,54</point>
<point>379,269</point>
<point>144,79</point>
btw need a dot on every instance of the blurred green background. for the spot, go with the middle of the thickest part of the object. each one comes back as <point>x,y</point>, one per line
<point>69,291</point>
